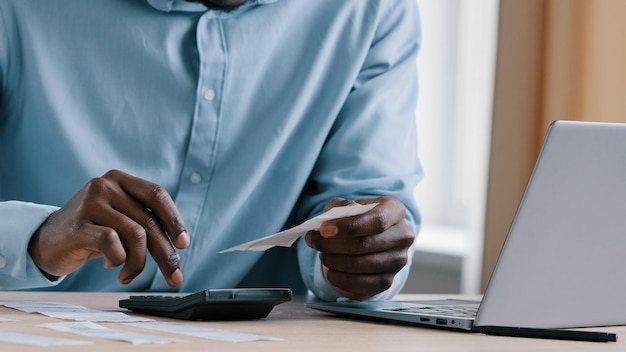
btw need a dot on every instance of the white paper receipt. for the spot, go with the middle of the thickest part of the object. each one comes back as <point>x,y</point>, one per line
<point>287,237</point>
<point>90,329</point>
<point>60,310</point>
<point>201,332</point>
<point>36,340</point>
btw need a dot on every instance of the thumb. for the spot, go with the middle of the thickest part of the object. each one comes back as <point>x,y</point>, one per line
<point>328,228</point>
<point>338,202</point>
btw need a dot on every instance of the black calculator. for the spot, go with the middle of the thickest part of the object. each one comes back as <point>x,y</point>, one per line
<point>211,304</point>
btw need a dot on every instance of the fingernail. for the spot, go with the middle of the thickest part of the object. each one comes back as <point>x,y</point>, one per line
<point>184,238</point>
<point>329,231</point>
<point>325,271</point>
<point>176,278</point>
<point>124,280</point>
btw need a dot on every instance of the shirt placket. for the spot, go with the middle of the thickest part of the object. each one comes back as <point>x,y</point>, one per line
<point>200,158</point>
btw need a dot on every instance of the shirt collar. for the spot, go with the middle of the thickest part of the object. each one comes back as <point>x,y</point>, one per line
<point>182,5</point>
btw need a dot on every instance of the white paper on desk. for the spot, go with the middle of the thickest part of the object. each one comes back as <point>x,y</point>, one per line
<point>36,340</point>
<point>202,332</point>
<point>66,311</point>
<point>96,316</point>
<point>89,329</point>
<point>41,306</point>
<point>287,237</point>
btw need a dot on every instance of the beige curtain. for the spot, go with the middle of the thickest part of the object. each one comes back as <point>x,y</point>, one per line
<point>557,59</point>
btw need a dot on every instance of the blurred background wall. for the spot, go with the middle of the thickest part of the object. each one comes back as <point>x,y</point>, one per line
<point>493,75</point>
<point>556,59</point>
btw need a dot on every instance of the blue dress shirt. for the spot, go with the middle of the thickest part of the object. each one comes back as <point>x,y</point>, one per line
<point>251,119</point>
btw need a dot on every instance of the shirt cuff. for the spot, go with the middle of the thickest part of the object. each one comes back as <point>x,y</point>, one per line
<point>18,222</point>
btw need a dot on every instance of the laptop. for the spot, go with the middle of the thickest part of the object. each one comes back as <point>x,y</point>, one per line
<point>562,263</point>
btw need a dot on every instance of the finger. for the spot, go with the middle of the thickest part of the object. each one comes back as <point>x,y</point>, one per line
<point>349,246</point>
<point>340,291</point>
<point>157,242</point>
<point>167,259</point>
<point>358,286</point>
<point>374,263</point>
<point>133,237</point>
<point>87,242</point>
<point>389,211</point>
<point>158,200</point>
<point>102,241</point>
<point>330,230</point>
<point>338,202</point>
<point>140,230</point>
<point>397,236</point>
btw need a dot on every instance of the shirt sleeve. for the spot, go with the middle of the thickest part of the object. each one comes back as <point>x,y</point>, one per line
<point>18,221</point>
<point>4,40</point>
<point>372,149</point>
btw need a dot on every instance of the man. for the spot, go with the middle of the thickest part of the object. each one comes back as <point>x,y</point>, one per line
<point>201,125</point>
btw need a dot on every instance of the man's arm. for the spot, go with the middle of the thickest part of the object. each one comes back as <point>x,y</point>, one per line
<point>117,216</point>
<point>18,220</point>
<point>370,153</point>
<point>4,52</point>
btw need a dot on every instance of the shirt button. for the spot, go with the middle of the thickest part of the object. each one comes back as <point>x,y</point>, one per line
<point>3,262</point>
<point>195,177</point>
<point>209,94</point>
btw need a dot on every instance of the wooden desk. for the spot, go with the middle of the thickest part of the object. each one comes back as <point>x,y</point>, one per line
<point>303,330</point>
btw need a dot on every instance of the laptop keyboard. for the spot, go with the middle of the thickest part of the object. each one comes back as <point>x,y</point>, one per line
<point>462,311</point>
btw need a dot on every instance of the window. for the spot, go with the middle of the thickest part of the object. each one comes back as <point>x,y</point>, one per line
<point>456,67</point>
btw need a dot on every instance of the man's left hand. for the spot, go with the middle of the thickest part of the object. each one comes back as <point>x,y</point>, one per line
<point>361,254</point>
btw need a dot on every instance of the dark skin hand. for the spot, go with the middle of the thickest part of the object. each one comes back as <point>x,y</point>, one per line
<point>220,4</point>
<point>119,217</point>
<point>361,254</point>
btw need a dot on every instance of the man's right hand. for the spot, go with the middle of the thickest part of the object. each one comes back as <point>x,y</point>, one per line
<point>119,217</point>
